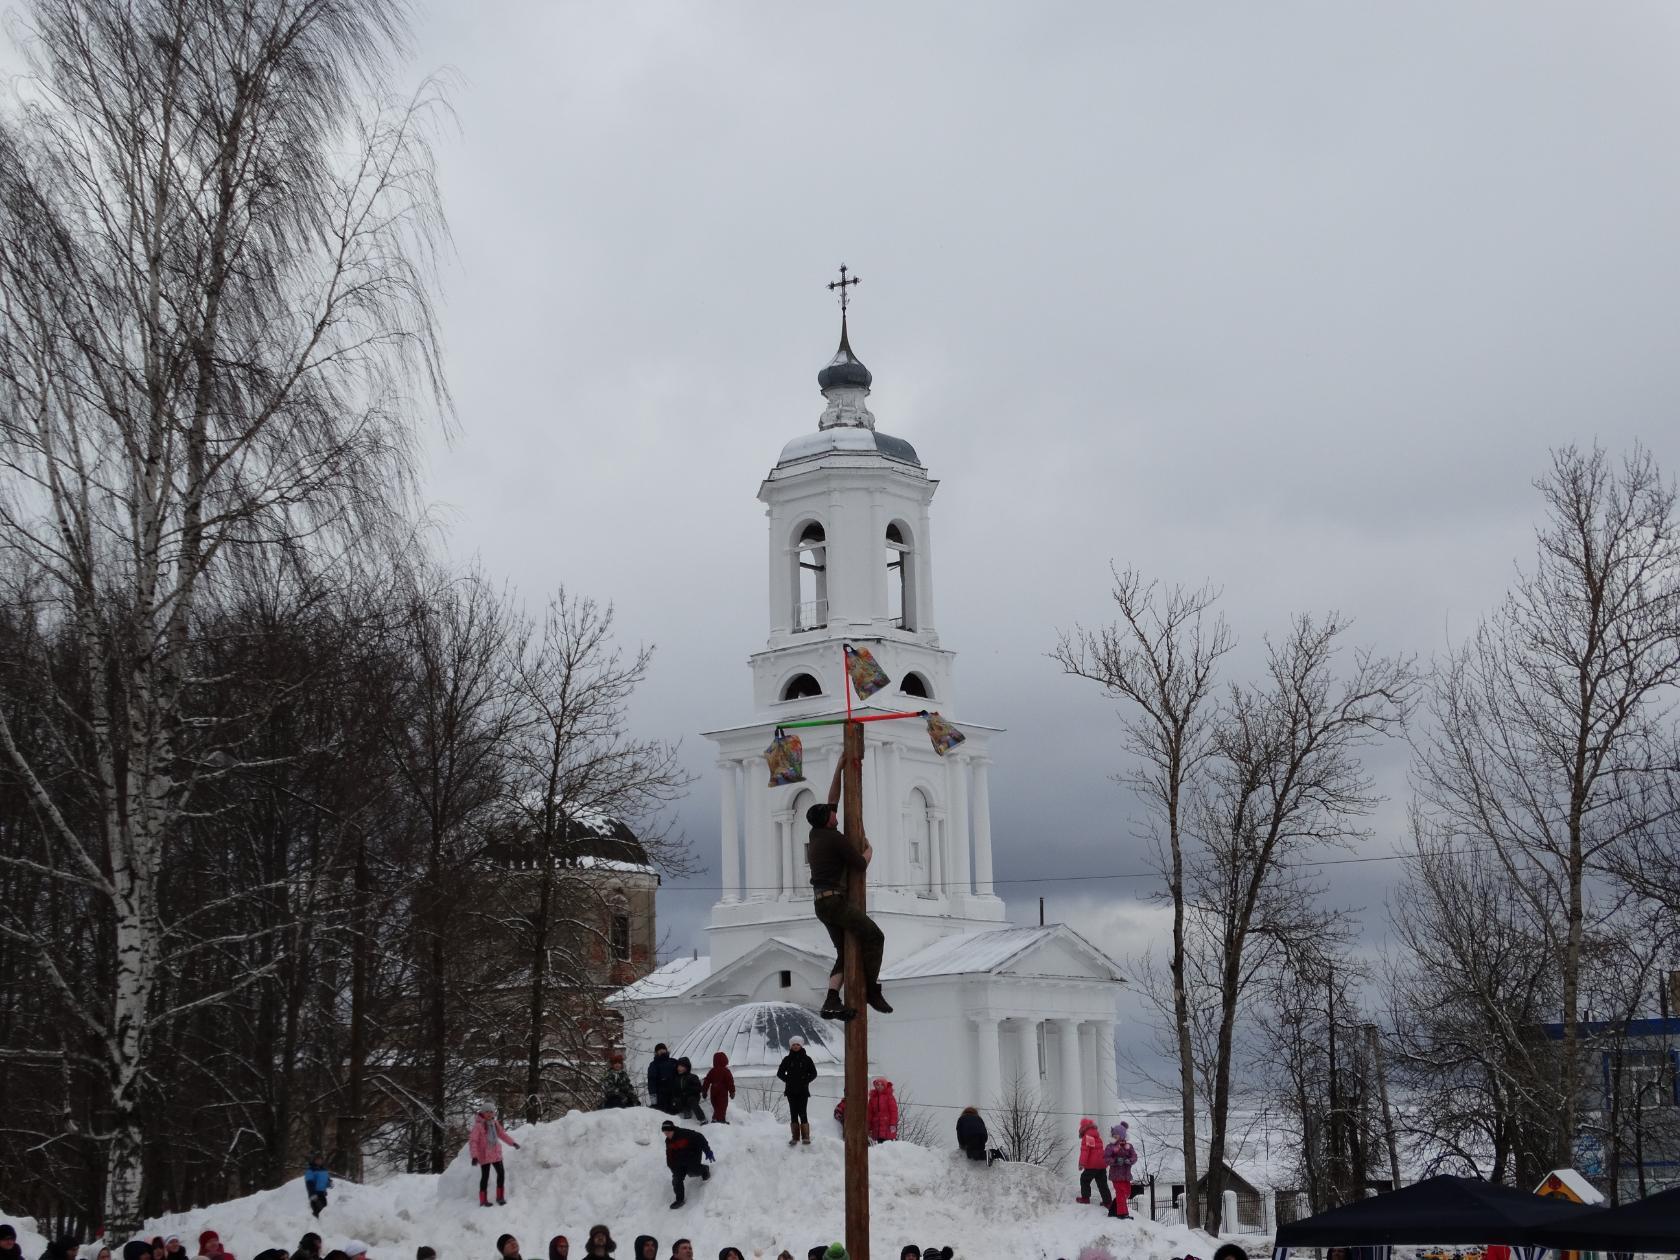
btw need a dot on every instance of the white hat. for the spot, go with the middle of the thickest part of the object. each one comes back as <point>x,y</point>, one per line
<point>355,1247</point>
<point>796,1042</point>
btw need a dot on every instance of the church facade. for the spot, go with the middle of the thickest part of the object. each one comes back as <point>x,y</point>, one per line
<point>984,1010</point>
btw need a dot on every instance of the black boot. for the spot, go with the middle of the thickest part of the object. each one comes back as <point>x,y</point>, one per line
<point>834,1008</point>
<point>878,1000</point>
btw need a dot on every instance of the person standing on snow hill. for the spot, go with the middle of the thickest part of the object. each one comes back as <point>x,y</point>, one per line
<point>600,1242</point>
<point>797,1071</point>
<point>971,1133</point>
<point>1120,1155</point>
<point>832,856</point>
<point>719,1086</point>
<point>688,1092</point>
<point>883,1111</point>
<point>616,1089</point>
<point>484,1144</point>
<point>316,1182</point>
<point>684,1149</point>
<point>1092,1168</point>
<point>661,1079</point>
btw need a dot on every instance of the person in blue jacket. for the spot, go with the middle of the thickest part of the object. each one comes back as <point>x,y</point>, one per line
<point>316,1182</point>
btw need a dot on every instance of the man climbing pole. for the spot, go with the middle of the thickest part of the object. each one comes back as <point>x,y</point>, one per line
<point>832,855</point>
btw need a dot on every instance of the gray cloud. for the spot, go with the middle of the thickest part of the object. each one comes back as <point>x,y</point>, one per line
<point>1290,297</point>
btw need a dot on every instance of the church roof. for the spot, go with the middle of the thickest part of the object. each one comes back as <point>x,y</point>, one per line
<point>674,979</point>
<point>588,839</point>
<point>849,440</point>
<point>970,953</point>
<point>757,1035</point>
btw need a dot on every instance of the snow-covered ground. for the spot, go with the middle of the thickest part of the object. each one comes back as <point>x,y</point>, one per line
<point>609,1167</point>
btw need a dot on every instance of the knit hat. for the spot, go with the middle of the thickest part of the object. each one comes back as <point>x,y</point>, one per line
<point>667,1126</point>
<point>836,1251</point>
<point>356,1247</point>
<point>500,1243</point>
<point>796,1044</point>
<point>1118,1131</point>
<point>208,1236</point>
<point>7,1232</point>
<point>910,1252</point>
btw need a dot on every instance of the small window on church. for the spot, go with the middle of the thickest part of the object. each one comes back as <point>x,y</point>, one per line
<point>901,589</point>
<point>915,685</point>
<point>621,938</point>
<point>800,686</point>
<point>787,979</point>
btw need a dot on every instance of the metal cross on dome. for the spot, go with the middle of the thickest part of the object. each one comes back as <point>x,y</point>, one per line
<point>843,284</point>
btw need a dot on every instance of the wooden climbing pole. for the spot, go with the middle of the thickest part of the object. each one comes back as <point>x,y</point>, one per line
<point>857,1029</point>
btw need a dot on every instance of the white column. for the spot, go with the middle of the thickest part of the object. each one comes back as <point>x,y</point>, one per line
<point>730,828</point>
<point>1105,1062</point>
<point>936,853</point>
<point>956,780</point>
<point>982,829</point>
<point>1096,1103</point>
<point>891,846</point>
<point>760,858</point>
<point>991,1070</point>
<point>1026,1033</point>
<point>784,849</point>
<point>1072,1093</point>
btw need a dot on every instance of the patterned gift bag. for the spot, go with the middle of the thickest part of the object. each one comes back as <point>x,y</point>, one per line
<point>944,736</point>
<point>787,759</point>
<point>867,676</point>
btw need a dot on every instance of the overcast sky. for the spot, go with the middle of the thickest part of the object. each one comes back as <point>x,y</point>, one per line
<point>1294,298</point>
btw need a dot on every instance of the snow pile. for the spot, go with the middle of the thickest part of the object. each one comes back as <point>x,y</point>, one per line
<point>609,1167</point>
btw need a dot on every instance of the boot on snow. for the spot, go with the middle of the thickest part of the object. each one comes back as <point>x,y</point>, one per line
<point>705,1173</point>
<point>805,1134</point>
<point>501,1199</point>
<point>794,1140</point>
<point>678,1203</point>
<point>834,1008</point>
<point>1084,1198</point>
<point>878,1000</point>
<point>483,1199</point>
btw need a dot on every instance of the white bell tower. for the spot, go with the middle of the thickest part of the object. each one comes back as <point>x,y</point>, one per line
<point>851,561</point>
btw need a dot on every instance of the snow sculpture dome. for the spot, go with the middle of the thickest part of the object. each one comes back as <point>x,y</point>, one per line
<point>755,1036</point>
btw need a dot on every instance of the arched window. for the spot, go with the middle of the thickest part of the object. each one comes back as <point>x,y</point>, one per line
<point>901,578</point>
<point>810,578</point>
<point>915,685</point>
<point>800,686</point>
<point>919,839</point>
<point>802,843</point>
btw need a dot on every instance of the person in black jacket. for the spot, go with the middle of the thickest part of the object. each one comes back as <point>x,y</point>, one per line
<point>971,1133</point>
<point>685,1089</point>
<point>684,1149</point>
<point>797,1071</point>
<point>661,1079</point>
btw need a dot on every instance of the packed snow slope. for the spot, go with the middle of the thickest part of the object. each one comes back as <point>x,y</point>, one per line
<point>608,1167</point>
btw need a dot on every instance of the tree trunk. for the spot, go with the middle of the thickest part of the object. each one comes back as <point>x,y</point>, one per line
<point>539,976</point>
<point>1181,1019</point>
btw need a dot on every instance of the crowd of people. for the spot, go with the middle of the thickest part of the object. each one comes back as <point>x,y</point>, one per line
<point>599,1245</point>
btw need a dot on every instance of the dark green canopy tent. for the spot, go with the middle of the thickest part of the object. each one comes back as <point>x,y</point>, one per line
<point>1651,1224</point>
<point>1437,1210</point>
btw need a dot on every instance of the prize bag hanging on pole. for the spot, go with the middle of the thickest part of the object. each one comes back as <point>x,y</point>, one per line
<point>787,759</point>
<point>944,736</point>
<point>867,676</point>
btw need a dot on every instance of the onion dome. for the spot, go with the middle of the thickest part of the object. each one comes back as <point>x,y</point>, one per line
<point>845,368</point>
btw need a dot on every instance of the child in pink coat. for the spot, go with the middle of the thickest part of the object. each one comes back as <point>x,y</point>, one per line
<point>484,1144</point>
<point>1120,1155</point>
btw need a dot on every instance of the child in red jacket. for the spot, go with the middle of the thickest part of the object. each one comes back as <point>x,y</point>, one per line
<point>883,1111</point>
<point>1093,1168</point>
<point>719,1085</point>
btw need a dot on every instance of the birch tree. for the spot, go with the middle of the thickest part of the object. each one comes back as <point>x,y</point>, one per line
<point>1553,730</point>
<point>215,314</point>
